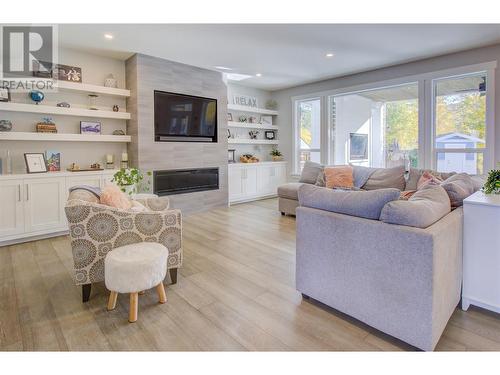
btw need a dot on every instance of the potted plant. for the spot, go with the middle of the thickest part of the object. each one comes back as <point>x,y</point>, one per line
<point>128,180</point>
<point>276,154</point>
<point>492,185</point>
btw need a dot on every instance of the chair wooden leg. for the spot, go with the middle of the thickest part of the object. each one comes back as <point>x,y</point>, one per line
<point>173,275</point>
<point>132,315</point>
<point>112,301</point>
<point>162,296</point>
<point>86,292</point>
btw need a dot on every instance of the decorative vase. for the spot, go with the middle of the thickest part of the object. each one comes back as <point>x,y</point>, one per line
<point>93,102</point>
<point>116,108</point>
<point>5,125</point>
<point>129,189</point>
<point>110,81</point>
<point>36,96</point>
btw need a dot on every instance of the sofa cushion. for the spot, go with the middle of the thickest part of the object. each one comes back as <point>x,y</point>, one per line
<point>361,174</point>
<point>458,187</point>
<point>415,174</point>
<point>289,190</point>
<point>428,178</point>
<point>367,204</point>
<point>339,176</point>
<point>386,178</point>
<point>310,172</point>
<point>424,208</point>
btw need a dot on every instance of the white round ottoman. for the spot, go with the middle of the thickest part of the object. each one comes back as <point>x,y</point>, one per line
<point>135,268</point>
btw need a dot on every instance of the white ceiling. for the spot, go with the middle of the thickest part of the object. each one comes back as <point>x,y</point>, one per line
<point>285,54</point>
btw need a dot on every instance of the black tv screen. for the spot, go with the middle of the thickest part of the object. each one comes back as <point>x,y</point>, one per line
<point>184,118</point>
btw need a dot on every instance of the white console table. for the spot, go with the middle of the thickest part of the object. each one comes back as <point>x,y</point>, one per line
<point>481,269</point>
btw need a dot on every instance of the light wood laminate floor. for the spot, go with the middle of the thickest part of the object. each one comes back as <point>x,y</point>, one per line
<point>235,291</point>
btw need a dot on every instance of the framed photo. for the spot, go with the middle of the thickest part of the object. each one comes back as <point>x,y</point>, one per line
<point>230,156</point>
<point>4,94</point>
<point>269,134</point>
<point>35,163</point>
<point>266,120</point>
<point>358,146</point>
<point>90,127</point>
<point>229,117</point>
<point>53,160</point>
<point>68,73</point>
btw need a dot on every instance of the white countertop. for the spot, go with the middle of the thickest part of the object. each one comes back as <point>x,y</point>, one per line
<point>483,199</point>
<point>55,174</point>
<point>257,164</point>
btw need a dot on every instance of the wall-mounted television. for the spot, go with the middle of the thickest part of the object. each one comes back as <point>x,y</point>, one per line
<point>184,118</point>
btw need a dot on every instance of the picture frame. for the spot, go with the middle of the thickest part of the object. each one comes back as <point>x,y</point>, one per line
<point>90,127</point>
<point>35,162</point>
<point>68,73</point>
<point>230,156</point>
<point>358,147</point>
<point>4,94</point>
<point>53,159</point>
<point>270,135</point>
<point>266,120</point>
<point>229,117</point>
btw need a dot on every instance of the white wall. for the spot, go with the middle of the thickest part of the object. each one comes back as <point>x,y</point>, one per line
<point>261,151</point>
<point>94,71</point>
<point>455,60</point>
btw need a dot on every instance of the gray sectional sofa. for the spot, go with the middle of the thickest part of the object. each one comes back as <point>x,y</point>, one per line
<point>394,265</point>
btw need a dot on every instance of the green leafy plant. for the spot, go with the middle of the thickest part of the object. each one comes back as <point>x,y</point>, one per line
<point>275,152</point>
<point>492,184</point>
<point>128,179</point>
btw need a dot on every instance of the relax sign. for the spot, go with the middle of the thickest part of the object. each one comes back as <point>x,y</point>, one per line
<point>245,100</point>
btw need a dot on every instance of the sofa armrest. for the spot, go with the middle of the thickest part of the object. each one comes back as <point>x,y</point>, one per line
<point>96,229</point>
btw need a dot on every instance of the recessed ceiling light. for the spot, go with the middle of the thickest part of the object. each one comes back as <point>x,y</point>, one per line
<point>108,36</point>
<point>222,68</point>
<point>329,54</point>
<point>259,75</point>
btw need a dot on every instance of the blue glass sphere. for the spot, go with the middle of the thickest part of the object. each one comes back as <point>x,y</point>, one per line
<point>36,96</point>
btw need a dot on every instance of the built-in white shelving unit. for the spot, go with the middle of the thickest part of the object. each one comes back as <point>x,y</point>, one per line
<point>47,109</point>
<point>93,89</point>
<point>245,141</point>
<point>247,125</point>
<point>242,108</point>
<point>58,137</point>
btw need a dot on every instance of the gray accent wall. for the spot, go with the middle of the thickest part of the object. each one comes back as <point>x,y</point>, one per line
<point>144,75</point>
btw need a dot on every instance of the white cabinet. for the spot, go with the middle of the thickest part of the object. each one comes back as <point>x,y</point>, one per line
<point>33,205</point>
<point>44,204</point>
<point>254,181</point>
<point>11,207</point>
<point>481,276</point>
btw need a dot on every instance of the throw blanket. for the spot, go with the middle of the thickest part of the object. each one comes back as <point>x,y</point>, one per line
<point>361,175</point>
<point>94,190</point>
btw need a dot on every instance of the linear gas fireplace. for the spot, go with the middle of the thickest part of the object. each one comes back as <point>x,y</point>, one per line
<point>185,181</point>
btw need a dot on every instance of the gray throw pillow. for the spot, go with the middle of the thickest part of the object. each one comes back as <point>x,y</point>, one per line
<point>367,204</point>
<point>310,172</point>
<point>424,208</point>
<point>458,187</point>
<point>383,178</point>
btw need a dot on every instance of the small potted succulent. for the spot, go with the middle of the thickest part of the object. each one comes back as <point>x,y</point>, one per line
<point>276,154</point>
<point>129,179</point>
<point>492,185</point>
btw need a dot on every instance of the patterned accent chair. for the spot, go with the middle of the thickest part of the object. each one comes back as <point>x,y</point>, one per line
<point>96,229</point>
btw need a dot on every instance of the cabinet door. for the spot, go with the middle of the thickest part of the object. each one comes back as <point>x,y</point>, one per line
<point>44,200</point>
<point>11,208</point>
<point>106,179</point>
<point>250,181</point>
<point>265,175</point>
<point>82,180</point>
<point>235,182</point>
<point>279,177</point>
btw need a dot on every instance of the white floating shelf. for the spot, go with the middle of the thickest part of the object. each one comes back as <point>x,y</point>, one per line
<point>47,109</point>
<point>61,137</point>
<point>252,141</point>
<point>247,125</point>
<point>242,108</point>
<point>93,89</point>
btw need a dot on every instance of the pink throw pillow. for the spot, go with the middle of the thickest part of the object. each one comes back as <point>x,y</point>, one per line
<point>112,196</point>
<point>428,178</point>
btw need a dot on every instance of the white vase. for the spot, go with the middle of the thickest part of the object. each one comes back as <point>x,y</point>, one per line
<point>129,189</point>
<point>110,81</point>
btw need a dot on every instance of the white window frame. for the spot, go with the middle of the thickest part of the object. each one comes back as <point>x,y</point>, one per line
<point>426,131</point>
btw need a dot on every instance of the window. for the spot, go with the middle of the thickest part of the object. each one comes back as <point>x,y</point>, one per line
<point>308,132</point>
<point>377,128</point>
<point>460,123</point>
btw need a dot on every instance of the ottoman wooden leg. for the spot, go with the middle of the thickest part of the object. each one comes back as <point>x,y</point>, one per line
<point>132,315</point>
<point>162,296</point>
<point>112,300</point>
